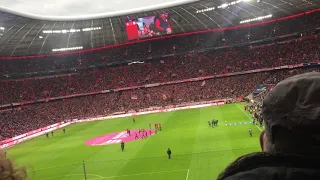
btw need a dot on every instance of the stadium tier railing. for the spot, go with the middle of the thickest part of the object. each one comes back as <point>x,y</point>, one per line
<point>35,133</point>
<point>41,77</point>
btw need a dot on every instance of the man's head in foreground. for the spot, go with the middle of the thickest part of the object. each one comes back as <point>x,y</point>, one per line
<point>8,171</point>
<point>291,139</point>
<point>291,112</point>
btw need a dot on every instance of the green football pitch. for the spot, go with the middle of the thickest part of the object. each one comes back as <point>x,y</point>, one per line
<point>198,151</point>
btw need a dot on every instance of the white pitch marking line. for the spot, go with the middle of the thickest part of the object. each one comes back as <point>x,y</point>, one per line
<point>188,174</point>
<point>141,174</point>
<point>248,117</point>
<point>100,177</point>
<point>95,175</point>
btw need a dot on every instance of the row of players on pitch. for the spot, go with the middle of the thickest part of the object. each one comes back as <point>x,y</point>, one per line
<point>157,126</point>
<point>142,132</point>
<point>213,123</point>
<point>47,134</point>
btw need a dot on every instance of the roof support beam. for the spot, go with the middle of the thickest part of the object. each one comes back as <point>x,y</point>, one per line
<point>195,17</point>
<point>35,37</point>
<point>70,34</point>
<point>113,34</point>
<point>4,44</point>
<point>23,38</point>
<point>207,15</point>
<point>104,41</point>
<point>45,39</point>
<point>184,19</point>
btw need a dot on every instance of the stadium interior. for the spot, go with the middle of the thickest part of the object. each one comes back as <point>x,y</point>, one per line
<point>154,67</point>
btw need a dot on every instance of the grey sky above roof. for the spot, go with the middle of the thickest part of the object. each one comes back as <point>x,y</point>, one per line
<point>82,9</point>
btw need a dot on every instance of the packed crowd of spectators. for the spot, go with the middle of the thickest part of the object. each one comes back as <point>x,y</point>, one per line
<point>29,117</point>
<point>169,69</point>
<point>162,46</point>
<point>22,119</point>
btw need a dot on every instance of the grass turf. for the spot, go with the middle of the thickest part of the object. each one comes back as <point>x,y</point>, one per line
<point>199,152</point>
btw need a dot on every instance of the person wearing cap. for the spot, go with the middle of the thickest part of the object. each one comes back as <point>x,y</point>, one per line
<point>291,139</point>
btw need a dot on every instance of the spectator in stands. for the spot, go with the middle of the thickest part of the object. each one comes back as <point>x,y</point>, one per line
<point>290,142</point>
<point>8,170</point>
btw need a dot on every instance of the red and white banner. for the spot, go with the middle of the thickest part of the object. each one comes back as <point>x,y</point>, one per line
<point>32,134</point>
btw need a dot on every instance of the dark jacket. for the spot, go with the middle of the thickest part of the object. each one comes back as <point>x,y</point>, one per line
<point>265,166</point>
<point>169,152</point>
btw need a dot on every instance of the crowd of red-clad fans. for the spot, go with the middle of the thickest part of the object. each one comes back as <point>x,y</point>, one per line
<point>173,68</point>
<point>29,117</point>
<point>21,119</point>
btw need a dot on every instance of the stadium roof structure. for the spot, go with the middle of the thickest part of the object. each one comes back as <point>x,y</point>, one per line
<point>21,36</point>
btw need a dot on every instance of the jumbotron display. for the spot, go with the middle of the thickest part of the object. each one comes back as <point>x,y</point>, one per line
<point>148,26</point>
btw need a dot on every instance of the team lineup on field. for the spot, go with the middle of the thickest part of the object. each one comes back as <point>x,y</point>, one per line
<point>185,145</point>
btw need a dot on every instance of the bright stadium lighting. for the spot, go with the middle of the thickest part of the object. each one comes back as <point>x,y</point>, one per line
<point>63,31</point>
<point>47,31</point>
<point>205,10</point>
<point>2,28</point>
<point>224,5</point>
<point>67,49</point>
<point>256,19</point>
<point>91,29</point>
<point>40,37</point>
<point>232,3</point>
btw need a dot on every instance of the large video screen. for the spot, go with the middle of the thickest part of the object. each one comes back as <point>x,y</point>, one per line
<point>150,26</point>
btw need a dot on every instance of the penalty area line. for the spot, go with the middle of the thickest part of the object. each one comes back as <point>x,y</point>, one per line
<point>157,172</point>
<point>248,117</point>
